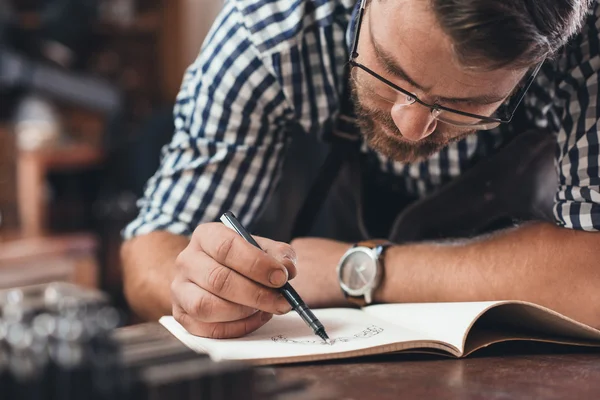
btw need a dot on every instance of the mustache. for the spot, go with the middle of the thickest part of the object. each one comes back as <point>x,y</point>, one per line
<point>384,119</point>
<point>379,116</point>
<point>375,117</point>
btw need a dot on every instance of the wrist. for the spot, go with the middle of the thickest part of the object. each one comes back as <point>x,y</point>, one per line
<point>391,267</point>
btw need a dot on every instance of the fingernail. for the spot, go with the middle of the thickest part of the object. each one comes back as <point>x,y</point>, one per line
<point>284,310</point>
<point>265,317</point>
<point>278,277</point>
<point>292,258</point>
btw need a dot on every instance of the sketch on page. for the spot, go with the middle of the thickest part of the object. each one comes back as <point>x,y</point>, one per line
<point>369,332</point>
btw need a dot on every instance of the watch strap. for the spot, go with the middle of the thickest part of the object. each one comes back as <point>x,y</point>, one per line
<point>356,300</point>
<point>373,243</point>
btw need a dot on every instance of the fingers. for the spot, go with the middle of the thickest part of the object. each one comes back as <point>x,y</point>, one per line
<point>228,248</point>
<point>282,252</point>
<point>225,287</point>
<point>206,307</point>
<point>222,330</point>
<point>229,285</point>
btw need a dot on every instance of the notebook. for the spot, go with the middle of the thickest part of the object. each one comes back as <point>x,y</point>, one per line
<point>453,329</point>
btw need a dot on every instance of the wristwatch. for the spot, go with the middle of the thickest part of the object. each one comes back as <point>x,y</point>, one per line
<point>360,271</point>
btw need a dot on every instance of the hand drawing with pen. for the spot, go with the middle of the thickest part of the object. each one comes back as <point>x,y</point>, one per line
<point>368,332</point>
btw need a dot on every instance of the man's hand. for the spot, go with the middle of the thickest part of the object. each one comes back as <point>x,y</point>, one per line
<point>224,287</point>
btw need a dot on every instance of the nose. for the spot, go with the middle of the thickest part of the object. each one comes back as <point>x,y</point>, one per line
<point>415,122</point>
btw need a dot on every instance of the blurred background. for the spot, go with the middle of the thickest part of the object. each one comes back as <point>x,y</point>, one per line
<point>86,95</point>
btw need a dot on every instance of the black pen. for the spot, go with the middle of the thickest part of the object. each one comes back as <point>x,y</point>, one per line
<point>286,290</point>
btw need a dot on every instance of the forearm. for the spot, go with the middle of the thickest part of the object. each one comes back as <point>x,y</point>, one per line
<point>148,270</point>
<point>540,263</point>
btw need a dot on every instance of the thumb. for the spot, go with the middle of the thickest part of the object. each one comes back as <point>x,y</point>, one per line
<point>282,252</point>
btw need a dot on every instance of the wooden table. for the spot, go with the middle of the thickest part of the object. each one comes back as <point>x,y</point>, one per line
<point>512,371</point>
<point>26,260</point>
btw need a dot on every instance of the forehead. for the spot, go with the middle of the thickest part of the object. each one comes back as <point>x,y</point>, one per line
<point>408,31</point>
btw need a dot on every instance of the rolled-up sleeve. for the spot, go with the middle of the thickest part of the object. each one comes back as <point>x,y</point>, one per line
<point>577,202</point>
<point>229,139</point>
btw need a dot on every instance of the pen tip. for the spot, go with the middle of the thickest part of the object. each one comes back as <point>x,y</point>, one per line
<point>323,335</point>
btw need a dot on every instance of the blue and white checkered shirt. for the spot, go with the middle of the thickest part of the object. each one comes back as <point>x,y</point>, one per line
<point>269,67</point>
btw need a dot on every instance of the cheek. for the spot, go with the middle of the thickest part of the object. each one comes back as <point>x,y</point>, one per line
<point>451,134</point>
<point>372,103</point>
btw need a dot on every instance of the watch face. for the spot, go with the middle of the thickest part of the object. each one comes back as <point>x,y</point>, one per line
<point>358,270</point>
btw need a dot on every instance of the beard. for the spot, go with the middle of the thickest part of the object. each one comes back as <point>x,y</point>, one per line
<point>374,123</point>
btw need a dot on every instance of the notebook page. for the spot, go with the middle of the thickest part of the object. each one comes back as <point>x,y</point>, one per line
<point>288,336</point>
<point>446,322</point>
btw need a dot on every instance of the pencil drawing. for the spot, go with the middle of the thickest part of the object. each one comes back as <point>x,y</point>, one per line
<point>366,333</point>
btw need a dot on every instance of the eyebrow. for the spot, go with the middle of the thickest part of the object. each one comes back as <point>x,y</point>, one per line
<point>392,67</point>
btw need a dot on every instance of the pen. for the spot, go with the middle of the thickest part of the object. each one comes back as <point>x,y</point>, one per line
<point>286,290</point>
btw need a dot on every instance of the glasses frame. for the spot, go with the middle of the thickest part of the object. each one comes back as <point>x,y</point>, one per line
<point>513,103</point>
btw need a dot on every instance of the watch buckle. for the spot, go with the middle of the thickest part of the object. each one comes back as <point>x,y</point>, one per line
<point>369,297</point>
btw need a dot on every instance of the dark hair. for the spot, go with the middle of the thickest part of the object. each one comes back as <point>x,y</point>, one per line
<point>500,33</point>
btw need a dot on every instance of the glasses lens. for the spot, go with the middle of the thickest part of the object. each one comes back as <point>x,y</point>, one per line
<point>378,88</point>
<point>383,91</point>
<point>460,120</point>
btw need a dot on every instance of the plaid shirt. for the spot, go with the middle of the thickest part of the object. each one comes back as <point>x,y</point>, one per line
<point>270,67</point>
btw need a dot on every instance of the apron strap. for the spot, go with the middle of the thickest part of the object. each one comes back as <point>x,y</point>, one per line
<point>338,155</point>
<point>345,142</point>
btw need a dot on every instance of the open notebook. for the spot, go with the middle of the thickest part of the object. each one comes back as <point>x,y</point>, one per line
<point>454,329</point>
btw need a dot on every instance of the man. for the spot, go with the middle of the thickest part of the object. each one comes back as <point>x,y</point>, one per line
<point>429,79</point>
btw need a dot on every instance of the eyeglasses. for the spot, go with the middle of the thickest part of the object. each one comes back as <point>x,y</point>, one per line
<point>394,94</point>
